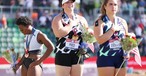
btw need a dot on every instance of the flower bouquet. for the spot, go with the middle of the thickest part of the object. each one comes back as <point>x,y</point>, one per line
<point>11,57</point>
<point>88,40</point>
<point>130,44</point>
<point>88,35</point>
<point>6,55</point>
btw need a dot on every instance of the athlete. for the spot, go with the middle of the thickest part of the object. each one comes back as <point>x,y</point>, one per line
<point>66,27</point>
<point>34,40</point>
<point>108,30</point>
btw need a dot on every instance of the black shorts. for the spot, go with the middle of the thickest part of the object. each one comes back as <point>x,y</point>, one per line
<point>28,61</point>
<point>110,61</point>
<point>67,59</point>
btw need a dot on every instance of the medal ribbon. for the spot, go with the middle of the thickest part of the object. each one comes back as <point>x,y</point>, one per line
<point>28,40</point>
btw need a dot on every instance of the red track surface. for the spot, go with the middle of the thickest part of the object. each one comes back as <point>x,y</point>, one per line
<point>131,62</point>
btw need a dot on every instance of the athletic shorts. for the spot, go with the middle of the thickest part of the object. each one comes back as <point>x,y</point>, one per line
<point>67,59</point>
<point>28,61</point>
<point>110,61</point>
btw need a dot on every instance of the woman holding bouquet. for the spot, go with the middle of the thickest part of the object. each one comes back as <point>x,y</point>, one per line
<point>67,29</point>
<point>108,30</point>
<point>34,40</point>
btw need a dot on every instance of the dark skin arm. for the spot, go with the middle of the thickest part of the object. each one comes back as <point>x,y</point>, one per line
<point>16,67</point>
<point>42,38</point>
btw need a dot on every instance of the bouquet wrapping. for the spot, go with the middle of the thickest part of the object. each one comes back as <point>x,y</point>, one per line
<point>130,45</point>
<point>11,57</point>
<point>88,40</point>
<point>7,56</point>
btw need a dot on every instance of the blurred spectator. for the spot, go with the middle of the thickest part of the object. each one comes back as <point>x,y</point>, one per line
<point>54,13</point>
<point>35,19</point>
<point>141,5</point>
<point>21,2</point>
<point>138,33</point>
<point>89,6</point>
<point>134,3</point>
<point>44,3</point>
<point>130,8</point>
<point>54,3</point>
<point>20,12</point>
<point>132,24</point>
<point>49,2</point>
<point>29,3</point>
<point>40,12</point>
<point>124,7</point>
<point>43,19</point>
<point>12,3</point>
<point>144,45</point>
<point>34,15</point>
<point>143,20</point>
<point>4,21</point>
<point>49,20</point>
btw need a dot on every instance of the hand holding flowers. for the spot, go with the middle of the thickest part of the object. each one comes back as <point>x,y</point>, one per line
<point>130,45</point>
<point>11,57</point>
<point>129,42</point>
<point>88,35</point>
<point>88,38</point>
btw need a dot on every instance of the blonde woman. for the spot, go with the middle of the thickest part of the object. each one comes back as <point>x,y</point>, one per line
<point>108,30</point>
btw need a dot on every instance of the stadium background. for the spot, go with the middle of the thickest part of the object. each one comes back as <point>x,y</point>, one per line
<point>42,13</point>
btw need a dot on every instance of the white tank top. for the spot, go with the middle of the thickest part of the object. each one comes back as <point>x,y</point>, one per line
<point>31,39</point>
